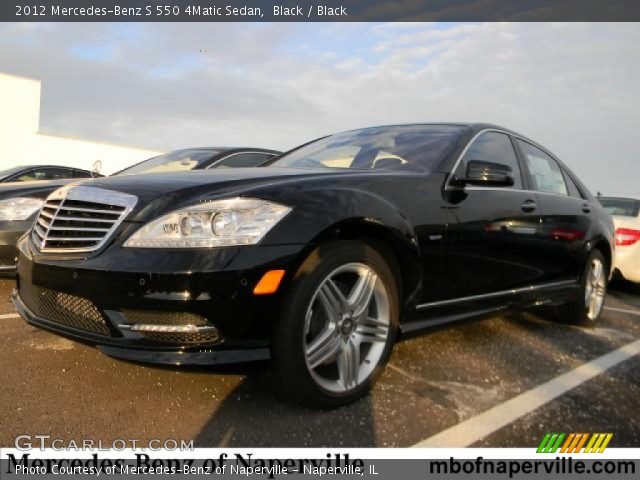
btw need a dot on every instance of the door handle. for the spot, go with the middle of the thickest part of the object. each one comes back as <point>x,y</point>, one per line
<point>586,208</point>
<point>529,206</point>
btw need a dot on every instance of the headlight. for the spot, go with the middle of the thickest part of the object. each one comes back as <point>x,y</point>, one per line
<point>220,223</point>
<point>19,208</point>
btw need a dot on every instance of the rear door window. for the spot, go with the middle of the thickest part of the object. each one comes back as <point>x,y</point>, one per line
<point>545,172</point>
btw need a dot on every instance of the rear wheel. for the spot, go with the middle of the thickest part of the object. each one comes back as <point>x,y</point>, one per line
<point>338,326</point>
<point>587,308</point>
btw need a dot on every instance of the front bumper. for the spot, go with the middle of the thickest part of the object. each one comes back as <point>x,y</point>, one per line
<point>107,302</point>
<point>173,356</point>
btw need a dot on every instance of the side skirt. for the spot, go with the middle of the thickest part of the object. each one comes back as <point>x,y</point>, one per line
<point>437,314</point>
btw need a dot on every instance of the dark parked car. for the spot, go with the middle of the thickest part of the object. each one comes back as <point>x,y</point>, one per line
<point>30,173</point>
<point>19,206</point>
<point>321,258</point>
<point>202,159</point>
<point>20,202</point>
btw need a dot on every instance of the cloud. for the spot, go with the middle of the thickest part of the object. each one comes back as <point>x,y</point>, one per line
<point>573,87</point>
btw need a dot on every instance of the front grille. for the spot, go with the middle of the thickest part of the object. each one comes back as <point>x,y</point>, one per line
<point>62,308</point>
<point>80,219</point>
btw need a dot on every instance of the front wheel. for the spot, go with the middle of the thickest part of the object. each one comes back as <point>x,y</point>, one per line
<point>338,326</point>
<point>587,309</point>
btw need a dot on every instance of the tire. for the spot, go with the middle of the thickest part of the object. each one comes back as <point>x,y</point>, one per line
<point>325,324</point>
<point>586,310</point>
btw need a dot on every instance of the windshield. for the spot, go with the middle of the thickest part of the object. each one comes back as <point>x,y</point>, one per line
<point>180,160</point>
<point>408,147</point>
<point>624,207</point>
<point>10,171</point>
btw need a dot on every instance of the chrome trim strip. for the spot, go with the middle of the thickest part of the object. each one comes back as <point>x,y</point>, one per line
<point>42,222</point>
<point>92,210</point>
<point>515,291</point>
<point>72,239</point>
<point>38,230</point>
<point>80,219</point>
<point>145,327</point>
<point>504,189</point>
<point>79,229</point>
<point>7,268</point>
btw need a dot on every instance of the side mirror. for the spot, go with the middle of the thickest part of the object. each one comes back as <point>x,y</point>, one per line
<point>488,174</point>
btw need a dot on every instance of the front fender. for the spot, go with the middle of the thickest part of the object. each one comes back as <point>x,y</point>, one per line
<point>326,213</point>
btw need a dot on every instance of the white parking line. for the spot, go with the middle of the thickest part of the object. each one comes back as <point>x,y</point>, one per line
<point>623,310</point>
<point>9,315</point>
<point>476,428</point>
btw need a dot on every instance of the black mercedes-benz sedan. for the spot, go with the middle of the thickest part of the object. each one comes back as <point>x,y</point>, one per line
<point>321,259</point>
<point>24,194</point>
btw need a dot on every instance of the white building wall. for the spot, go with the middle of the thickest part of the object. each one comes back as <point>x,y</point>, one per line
<point>21,143</point>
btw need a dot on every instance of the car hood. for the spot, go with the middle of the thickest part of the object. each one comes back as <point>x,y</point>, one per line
<point>38,189</point>
<point>151,185</point>
<point>158,192</point>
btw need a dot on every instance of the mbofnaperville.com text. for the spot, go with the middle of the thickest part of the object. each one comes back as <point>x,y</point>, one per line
<point>238,464</point>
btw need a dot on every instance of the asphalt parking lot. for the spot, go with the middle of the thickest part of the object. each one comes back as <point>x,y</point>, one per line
<point>51,385</point>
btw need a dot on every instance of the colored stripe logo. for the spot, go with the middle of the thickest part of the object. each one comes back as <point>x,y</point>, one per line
<point>574,442</point>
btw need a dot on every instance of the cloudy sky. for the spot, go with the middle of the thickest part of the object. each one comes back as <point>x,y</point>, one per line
<point>573,87</point>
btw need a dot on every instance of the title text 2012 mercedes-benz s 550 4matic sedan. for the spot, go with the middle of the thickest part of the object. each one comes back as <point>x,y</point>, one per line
<point>320,259</point>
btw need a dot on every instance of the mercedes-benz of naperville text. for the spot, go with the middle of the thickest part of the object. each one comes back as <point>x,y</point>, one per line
<point>235,464</point>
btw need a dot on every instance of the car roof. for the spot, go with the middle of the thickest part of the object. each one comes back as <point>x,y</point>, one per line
<point>225,149</point>
<point>472,127</point>
<point>609,197</point>
<point>29,167</point>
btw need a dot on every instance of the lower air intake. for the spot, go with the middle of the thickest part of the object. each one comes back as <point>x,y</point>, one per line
<point>62,308</point>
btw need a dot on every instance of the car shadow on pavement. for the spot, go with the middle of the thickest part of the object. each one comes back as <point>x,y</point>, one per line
<point>627,290</point>
<point>252,415</point>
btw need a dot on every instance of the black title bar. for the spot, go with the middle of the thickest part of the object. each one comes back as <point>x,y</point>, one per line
<point>317,10</point>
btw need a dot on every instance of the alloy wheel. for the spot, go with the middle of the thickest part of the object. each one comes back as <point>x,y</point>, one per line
<point>347,326</point>
<point>596,289</point>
